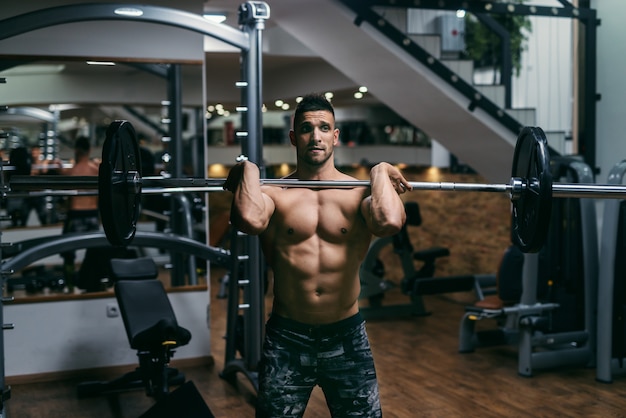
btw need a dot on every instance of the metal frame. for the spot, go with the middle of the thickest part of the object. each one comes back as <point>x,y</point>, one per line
<point>606,363</point>
<point>32,112</point>
<point>248,40</point>
<point>71,242</point>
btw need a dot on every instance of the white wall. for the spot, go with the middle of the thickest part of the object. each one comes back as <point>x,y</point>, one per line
<point>77,334</point>
<point>546,78</point>
<point>611,70</point>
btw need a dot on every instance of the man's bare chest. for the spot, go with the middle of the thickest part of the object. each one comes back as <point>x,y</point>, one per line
<point>327,214</point>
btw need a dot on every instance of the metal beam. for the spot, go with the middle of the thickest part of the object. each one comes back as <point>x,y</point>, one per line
<point>53,16</point>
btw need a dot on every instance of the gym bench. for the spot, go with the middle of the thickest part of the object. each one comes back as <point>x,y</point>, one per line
<point>151,328</point>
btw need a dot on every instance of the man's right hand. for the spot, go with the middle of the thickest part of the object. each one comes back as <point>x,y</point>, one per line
<point>237,173</point>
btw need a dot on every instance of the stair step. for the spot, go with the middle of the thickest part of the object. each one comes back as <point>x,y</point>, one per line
<point>526,116</point>
<point>463,68</point>
<point>559,141</point>
<point>431,43</point>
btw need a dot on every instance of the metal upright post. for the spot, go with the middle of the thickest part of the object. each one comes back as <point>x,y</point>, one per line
<point>174,92</point>
<point>252,17</point>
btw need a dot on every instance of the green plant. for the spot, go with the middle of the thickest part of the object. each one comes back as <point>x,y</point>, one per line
<point>483,46</point>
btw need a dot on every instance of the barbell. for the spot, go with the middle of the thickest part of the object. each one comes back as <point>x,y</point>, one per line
<point>119,186</point>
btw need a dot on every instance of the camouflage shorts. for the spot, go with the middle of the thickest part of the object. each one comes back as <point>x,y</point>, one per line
<point>337,357</point>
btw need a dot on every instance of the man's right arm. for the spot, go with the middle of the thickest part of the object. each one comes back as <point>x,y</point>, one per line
<point>251,209</point>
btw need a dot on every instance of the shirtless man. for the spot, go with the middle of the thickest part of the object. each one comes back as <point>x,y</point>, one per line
<point>314,240</point>
<point>82,214</point>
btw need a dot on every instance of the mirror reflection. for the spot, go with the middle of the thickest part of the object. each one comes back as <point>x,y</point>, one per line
<point>39,136</point>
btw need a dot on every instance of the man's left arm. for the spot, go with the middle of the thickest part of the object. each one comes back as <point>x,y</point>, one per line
<point>383,209</point>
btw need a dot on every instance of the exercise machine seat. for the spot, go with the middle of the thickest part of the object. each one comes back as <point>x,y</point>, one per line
<point>148,316</point>
<point>508,281</point>
<point>134,269</point>
<point>151,329</point>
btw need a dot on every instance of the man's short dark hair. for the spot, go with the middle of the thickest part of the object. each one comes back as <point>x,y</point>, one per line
<point>312,102</point>
<point>82,146</point>
<point>82,143</point>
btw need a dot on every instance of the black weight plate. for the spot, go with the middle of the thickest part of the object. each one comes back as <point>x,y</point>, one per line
<point>531,211</point>
<point>119,183</point>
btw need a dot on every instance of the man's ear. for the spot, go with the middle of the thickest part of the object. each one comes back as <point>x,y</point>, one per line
<point>292,137</point>
<point>336,135</point>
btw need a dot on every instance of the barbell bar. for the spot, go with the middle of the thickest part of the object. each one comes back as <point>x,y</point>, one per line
<point>159,185</point>
<point>120,186</point>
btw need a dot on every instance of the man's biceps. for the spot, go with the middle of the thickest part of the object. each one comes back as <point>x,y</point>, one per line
<point>270,206</point>
<point>366,207</point>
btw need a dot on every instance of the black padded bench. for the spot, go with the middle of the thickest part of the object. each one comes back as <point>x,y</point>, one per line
<point>151,328</point>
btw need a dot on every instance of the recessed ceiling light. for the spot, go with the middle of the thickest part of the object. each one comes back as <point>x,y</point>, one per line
<point>101,63</point>
<point>215,17</point>
<point>128,11</point>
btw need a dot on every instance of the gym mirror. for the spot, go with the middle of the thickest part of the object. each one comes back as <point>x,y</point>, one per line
<point>53,102</point>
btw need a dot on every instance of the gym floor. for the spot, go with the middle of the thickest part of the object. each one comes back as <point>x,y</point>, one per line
<point>421,373</point>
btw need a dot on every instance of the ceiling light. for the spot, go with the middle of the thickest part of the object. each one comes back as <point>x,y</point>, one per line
<point>363,89</point>
<point>278,103</point>
<point>358,95</point>
<point>329,95</point>
<point>215,17</point>
<point>128,11</point>
<point>100,63</point>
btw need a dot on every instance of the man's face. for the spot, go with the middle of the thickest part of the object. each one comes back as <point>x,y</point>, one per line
<point>315,137</point>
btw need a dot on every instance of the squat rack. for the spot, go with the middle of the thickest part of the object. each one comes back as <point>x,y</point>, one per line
<point>252,17</point>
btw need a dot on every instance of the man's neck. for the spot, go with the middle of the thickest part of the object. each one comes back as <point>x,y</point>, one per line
<point>322,172</point>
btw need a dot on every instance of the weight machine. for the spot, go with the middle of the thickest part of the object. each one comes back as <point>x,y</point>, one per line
<point>553,321</point>
<point>252,17</point>
<point>415,282</point>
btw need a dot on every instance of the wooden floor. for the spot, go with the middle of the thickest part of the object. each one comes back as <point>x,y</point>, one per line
<point>421,374</point>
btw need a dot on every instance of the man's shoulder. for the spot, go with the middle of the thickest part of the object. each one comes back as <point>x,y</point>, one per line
<point>84,169</point>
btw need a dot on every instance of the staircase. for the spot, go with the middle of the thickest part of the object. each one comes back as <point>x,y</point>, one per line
<point>404,84</point>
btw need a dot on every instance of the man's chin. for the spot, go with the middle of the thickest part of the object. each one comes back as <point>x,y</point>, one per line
<point>315,161</point>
